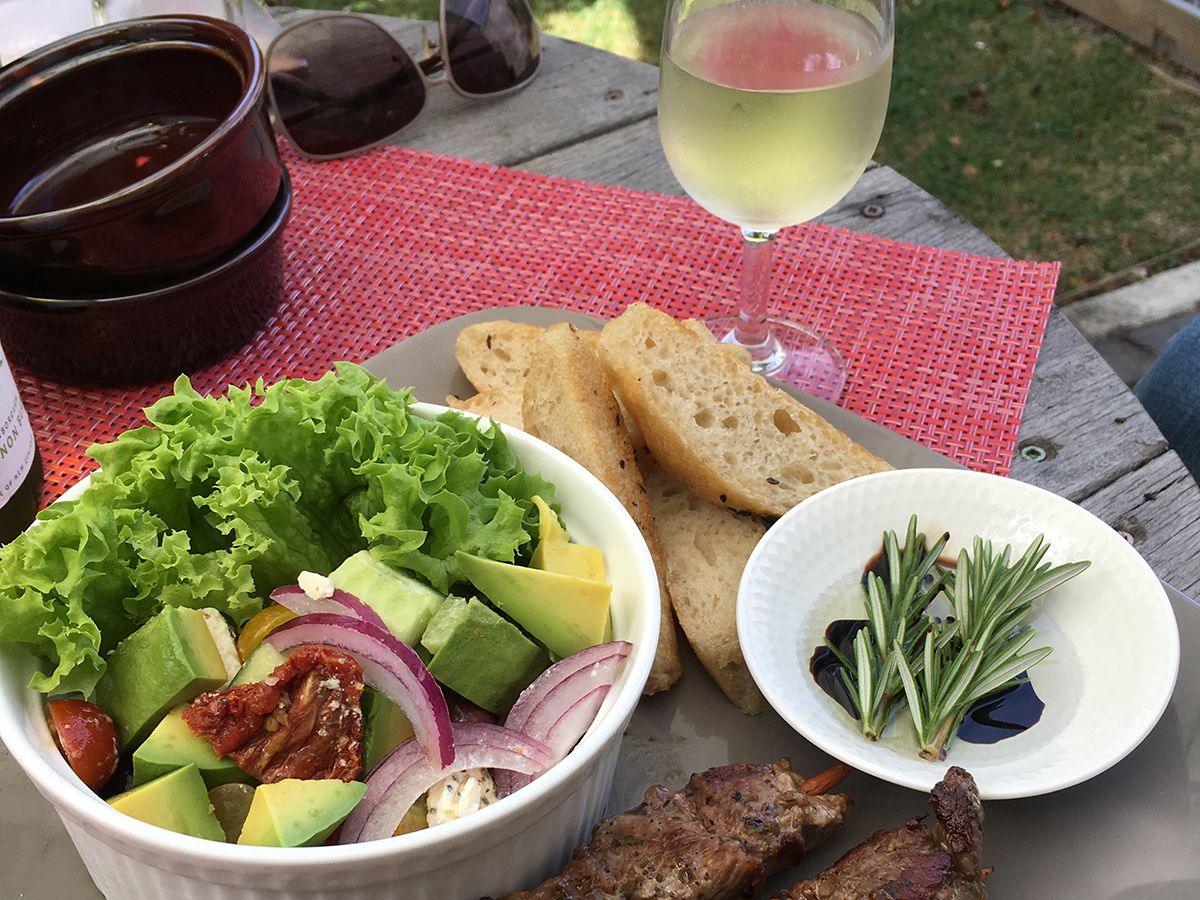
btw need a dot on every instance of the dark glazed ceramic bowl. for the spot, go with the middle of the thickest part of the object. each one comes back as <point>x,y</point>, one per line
<point>160,332</point>
<point>133,154</point>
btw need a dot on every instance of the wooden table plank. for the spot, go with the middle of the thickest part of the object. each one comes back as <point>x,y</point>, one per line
<point>632,158</point>
<point>898,209</point>
<point>1156,507</point>
<point>580,92</point>
<point>1091,427</point>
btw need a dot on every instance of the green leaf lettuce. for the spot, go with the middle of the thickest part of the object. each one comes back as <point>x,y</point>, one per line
<point>219,500</point>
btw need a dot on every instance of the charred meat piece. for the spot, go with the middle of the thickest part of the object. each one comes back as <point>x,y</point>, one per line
<point>719,837</point>
<point>913,862</point>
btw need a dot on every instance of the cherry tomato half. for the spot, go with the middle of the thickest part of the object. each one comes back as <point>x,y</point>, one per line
<point>87,738</point>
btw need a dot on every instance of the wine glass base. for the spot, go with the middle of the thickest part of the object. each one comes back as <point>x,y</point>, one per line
<point>794,355</point>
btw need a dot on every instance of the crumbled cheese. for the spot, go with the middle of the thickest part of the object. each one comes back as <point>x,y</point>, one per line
<point>222,636</point>
<point>319,587</point>
<point>458,795</point>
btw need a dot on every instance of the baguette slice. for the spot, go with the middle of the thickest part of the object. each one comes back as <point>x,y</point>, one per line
<point>503,405</point>
<point>569,403</point>
<point>711,422</point>
<point>496,355</point>
<point>706,547</point>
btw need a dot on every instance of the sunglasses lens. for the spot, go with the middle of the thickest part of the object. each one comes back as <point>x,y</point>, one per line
<point>341,84</point>
<point>490,45</point>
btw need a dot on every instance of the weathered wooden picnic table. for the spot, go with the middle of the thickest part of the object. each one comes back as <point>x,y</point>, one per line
<point>590,115</point>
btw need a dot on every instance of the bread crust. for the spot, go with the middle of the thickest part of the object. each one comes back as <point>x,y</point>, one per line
<point>569,403</point>
<point>723,430</point>
<point>503,405</point>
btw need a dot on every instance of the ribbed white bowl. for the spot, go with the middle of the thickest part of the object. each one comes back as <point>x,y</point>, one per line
<point>1115,639</point>
<point>510,845</point>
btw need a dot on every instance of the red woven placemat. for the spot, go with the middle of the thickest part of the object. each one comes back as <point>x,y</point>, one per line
<point>941,345</point>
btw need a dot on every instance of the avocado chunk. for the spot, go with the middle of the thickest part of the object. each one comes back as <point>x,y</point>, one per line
<point>481,655</point>
<point>416,819</point>
<point>299,813</point>
<point>556,553</point>
<point>565,613</point>
<point>231,803</point>
<point>262,661</point>
<point>172,659</point>
<point>178,801</point>
<point>405,604</point>
<point>385,728</point>
<point>172,745</point>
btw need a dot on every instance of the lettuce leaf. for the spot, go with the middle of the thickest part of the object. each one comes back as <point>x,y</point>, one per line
<point>219,500</point>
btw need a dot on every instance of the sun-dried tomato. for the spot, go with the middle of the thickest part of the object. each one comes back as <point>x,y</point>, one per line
<point>303,721</point>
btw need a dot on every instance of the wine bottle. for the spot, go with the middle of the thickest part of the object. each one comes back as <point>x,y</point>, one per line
<point>20,460</point>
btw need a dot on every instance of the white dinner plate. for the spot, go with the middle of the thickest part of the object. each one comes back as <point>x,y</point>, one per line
<point>1114,636</point>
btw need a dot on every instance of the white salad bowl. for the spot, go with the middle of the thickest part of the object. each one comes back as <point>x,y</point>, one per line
<point>1114,636</point>
<point>510,845</point>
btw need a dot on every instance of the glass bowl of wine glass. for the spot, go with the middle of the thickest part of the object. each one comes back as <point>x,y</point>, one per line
<point>768,113</point>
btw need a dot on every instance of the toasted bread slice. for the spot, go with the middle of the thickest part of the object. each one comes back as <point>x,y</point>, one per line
<point>737,351</point>
<point>496,355</point>
<point>706,548</point>
<point>569,403</point>
<point>711,422</point>
<point>503,405</point>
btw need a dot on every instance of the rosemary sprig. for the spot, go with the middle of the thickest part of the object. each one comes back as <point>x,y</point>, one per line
<point>895,615</point>
<point>936,667</point>
<point>955,663</point>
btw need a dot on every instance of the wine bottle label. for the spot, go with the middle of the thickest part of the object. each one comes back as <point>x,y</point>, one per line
<point>16,435</point>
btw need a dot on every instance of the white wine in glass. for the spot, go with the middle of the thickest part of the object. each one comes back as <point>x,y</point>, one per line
<point>769,111</point>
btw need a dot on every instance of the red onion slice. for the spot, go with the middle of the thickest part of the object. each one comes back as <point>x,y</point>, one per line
<point>561,737</point>
<point>340,604</point>
<point>562,702</point>
<point>556,689</point>
<point>406,773</point>
<point>389,665</point>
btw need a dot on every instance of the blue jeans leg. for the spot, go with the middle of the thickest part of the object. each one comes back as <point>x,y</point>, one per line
<point>1170,391</point>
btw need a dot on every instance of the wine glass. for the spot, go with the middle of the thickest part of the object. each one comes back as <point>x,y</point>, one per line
<point>769,111</point>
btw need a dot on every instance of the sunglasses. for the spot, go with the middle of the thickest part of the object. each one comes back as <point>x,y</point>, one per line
<point>341,83</point>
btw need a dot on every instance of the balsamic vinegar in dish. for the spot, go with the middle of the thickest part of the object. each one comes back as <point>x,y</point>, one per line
<point>962,674</point>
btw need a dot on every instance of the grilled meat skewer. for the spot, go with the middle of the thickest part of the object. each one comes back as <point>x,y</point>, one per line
<point>717,839</point>
<point>913,862</point>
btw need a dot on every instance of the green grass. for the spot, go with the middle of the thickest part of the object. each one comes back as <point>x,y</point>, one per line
<point>1051,135</point>
<point>1053,138</point>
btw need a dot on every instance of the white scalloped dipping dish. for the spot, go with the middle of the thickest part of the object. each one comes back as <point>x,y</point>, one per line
<point>1115,639</point>
<point>511,845</point>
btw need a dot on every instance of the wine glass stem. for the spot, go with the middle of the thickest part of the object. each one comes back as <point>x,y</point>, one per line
<point>752,330</point>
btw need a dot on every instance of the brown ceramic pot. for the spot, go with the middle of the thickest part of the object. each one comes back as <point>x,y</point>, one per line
<point>132,155</point>
<point>156,333</point>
